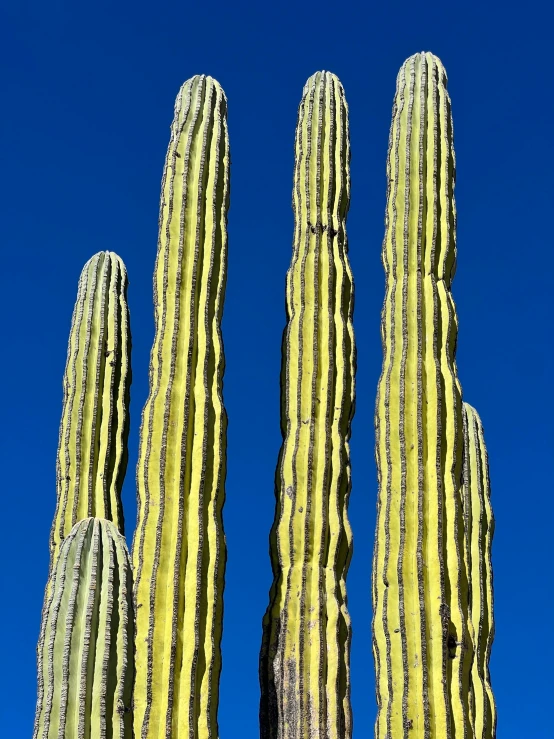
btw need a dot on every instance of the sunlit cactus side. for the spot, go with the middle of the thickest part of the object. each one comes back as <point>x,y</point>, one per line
<point>179,547</point>
<point>420,635</point>
<point>92,450</point>
<point>479,527</point>
<point>85,651</point>
<point>304,663</point>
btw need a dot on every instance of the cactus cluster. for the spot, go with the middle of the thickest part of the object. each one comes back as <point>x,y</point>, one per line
<point>304,664</point>
<point>130,645</point>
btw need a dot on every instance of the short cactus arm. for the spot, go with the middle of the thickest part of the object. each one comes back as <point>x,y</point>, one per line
<point>419,590</point>
<point>304,665</point>
<point>85,651</point>
<point>92,451</point>
<point>479,526</point>
<point>179,548</point>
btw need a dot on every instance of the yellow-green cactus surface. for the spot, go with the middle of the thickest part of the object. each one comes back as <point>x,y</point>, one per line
<point>85,652</point>
<point>304,665</point>
<point>421,647</point>
<point>179,548</point>
<point>479,527</point>
<point>92,451</point>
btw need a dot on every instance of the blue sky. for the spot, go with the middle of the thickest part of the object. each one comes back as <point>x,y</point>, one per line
<point>87,100</point>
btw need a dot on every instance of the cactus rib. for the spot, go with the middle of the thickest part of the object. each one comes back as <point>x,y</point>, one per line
<point>179,548</point>
<point>421,648</point>
<point>479,527</point>
<point>92,451</point>
<point>85,651</point>
<point>304,662</point>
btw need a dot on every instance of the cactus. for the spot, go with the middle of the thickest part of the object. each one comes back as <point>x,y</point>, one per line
<point>304,662</point>
<point>421,643</point>
<point>92,451</point>
<point>479,527</point>
<point>179,548</point>
<point>85,652</point>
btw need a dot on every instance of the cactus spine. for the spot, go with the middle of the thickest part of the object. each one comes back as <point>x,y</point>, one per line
<point>179,548</point>
<point>92,451</point>
<point>479,526</point>
<point>85,652</point>
<point>421,646</point>
<point>304,664</point>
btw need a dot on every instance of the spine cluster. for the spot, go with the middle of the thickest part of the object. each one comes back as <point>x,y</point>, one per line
<point>179,549</point>
<point>304,664</point>
<point>92,451</point>
<point>85,651</point>
<point>421,642</point>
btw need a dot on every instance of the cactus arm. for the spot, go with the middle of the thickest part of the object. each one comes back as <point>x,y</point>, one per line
<point>92,451</point>
<point>85,648</point>
<point>304,662</point>
<point>479,526</point>
<point>487,624</point>
<point>179,550</point>
<point>417,574</point>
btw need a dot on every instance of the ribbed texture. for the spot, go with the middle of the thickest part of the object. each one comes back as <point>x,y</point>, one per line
<point>179,546</point>
<point>479,526</point>
<point>92,451</point>
<point>304,665</point>
<point>85,652</point>
<point>421,646</point>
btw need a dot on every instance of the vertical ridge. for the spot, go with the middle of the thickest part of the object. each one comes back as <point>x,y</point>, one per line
<point>381,634</point>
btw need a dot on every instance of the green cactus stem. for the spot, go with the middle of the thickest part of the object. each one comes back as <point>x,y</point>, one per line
<point>421,647</point>
<point>304,662</point>
<point>85,652</point>
<point>179,546</point>
<point>479,527</point>
<point>92,451</point>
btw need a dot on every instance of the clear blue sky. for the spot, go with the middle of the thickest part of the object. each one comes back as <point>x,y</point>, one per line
<point>87,99</point>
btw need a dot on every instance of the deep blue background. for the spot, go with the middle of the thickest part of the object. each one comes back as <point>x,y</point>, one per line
<point>87,100</point>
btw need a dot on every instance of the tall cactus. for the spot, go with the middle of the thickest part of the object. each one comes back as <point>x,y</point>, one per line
<point>479,527</point>
<point>92,451</point>
<point>179,547</point>
<point>85,652</point>
<point>304,663</point>
<point>421,646</point>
